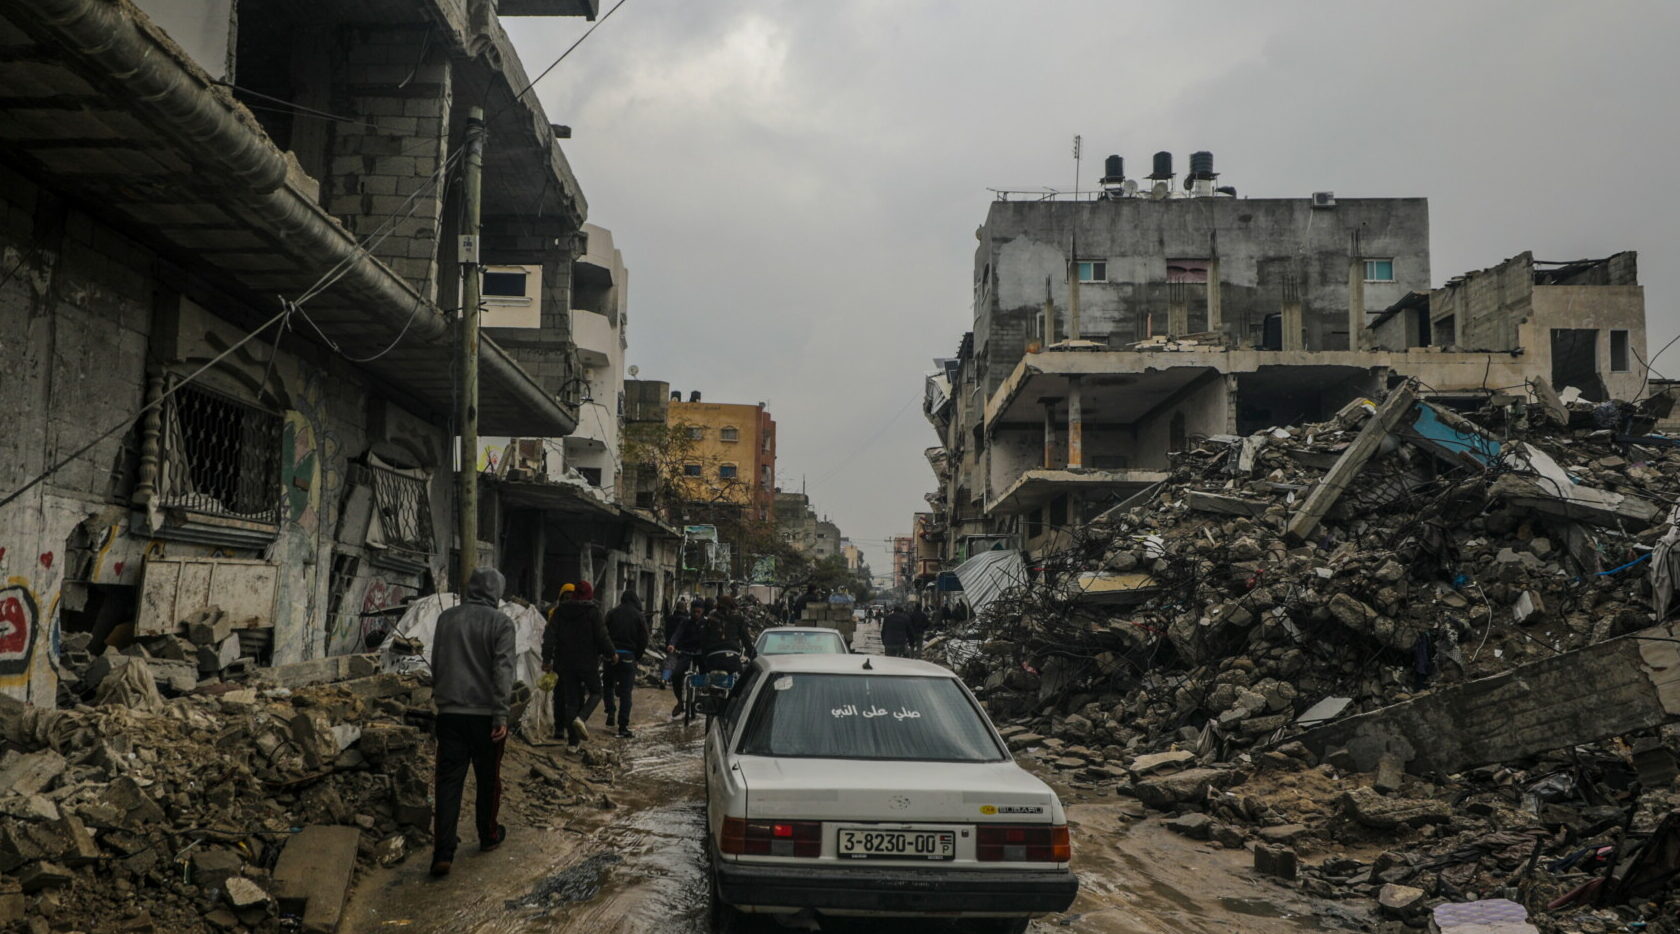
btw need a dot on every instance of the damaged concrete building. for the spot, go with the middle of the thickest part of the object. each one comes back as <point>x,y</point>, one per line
<point>227,271</point>
<point>1113,330</point>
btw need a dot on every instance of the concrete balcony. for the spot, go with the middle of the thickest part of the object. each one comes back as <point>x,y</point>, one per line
<point>596,338</point>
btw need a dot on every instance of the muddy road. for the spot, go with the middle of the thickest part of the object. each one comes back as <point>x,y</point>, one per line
<point>639,865</point>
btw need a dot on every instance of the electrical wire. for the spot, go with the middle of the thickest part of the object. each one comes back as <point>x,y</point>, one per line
<point>562,57</point>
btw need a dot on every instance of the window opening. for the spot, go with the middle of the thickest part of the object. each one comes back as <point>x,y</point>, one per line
<point>221,456</point>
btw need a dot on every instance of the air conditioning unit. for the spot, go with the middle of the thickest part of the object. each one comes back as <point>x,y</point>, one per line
<point>512,297</point>
<point>1324,199</point>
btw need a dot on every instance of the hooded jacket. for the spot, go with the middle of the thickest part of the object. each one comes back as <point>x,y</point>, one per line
<point>473,651</point>
<point>576,638</point>
<point>897,628</point>
<point>628,627</point>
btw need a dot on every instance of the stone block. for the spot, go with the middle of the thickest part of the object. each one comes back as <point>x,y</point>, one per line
<point>1163,792</point>
<point>1279,861</point>
<point>313,875</point>
<point>1193,825</point>
<point>1373,810</point>
<point>211,868</point>
<point>1391,769</point>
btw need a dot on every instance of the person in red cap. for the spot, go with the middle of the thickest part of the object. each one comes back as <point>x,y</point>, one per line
<point>575,644</point>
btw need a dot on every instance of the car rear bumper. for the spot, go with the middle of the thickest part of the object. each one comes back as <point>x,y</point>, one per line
<point>898,890</point>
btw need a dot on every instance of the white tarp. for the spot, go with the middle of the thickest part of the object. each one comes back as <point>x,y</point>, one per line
<point>987,575</point>
<point>420,624</point>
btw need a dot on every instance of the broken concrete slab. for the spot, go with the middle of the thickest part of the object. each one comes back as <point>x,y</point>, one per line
<point>1373,810</point>
<point>1164,791</point>
<point>1607,689</point>
<point>1225,505</point>
<point>1158,761</point>
<point>312,878</point>
<point>28,773</point>
<point>43,875</point>
<point>1279,861</point>
<point>1312,511</point>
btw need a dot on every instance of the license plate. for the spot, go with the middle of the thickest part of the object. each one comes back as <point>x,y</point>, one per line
<point>857,843</point>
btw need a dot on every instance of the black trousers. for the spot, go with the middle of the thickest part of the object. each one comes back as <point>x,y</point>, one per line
<point>463,740</point>
<point>618,684</point>
<point>679,673</point>
<point>898,651</point>
<point>577,696</point>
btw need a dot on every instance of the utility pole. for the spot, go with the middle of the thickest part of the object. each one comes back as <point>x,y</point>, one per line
<point>467,254</point>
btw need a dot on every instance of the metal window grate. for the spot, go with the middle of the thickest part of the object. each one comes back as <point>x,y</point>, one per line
<point>405,511</point>
<point>221,456</point>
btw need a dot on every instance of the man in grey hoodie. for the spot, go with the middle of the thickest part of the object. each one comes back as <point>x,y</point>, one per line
<point>472,685</point>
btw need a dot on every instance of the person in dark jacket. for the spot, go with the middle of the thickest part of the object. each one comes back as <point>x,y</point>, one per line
<point>896,631</point>
<point>919,625</point>
<point>684,643</point>
<point>725,630</point>
<point>796,611</point>
<point>473,652</point>
<point>628,629</point>
<point>574,646</point>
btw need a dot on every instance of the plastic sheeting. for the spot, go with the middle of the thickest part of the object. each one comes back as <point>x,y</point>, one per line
<point>420,624</point>
<point>987,575</point>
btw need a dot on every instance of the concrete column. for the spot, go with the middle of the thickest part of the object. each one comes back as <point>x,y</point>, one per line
<point>1356,301</point>
<point>1076,424</point>
<point>1294,336</point>
<point>1215,322</point>
<point>1049,435</point>
<point>539,555</point>
<point>1178,310</point>
<point>1230,402</point>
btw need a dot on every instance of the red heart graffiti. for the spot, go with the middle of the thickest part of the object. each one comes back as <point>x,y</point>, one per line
<point>46,559</point>
<point>117,568</point>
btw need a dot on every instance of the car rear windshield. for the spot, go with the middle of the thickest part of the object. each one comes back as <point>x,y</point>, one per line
<point>802,643</point>
<point>832,716</point>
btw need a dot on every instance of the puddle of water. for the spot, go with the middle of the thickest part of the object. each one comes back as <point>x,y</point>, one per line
<point>578,883</point>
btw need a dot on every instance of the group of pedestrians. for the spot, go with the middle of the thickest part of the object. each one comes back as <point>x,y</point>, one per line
<point>903,630</point>
<point>594,657</point>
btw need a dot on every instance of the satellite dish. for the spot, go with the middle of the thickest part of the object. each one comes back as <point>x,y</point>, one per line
<point>1158,191</point>
<point>634,370</point>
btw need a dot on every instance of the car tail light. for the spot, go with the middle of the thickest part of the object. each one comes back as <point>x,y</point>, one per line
<point>1022,843</point>
<point>771,837</point>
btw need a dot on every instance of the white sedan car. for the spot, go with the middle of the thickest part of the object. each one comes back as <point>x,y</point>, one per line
<point>863,785</point>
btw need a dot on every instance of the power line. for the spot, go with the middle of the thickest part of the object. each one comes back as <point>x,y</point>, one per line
<point>562,57</point>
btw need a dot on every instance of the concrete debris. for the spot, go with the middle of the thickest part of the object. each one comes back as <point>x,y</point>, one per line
<point>188,808</point>
<point>1421,627</point>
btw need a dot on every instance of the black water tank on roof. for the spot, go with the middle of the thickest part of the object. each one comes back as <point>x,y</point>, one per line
<point>1114,167</point>
<point>1163,166</point>
<point>1201,165</point>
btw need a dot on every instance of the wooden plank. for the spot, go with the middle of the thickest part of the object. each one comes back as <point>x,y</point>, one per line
<point>1225,505</point>
<point>1353,460</point>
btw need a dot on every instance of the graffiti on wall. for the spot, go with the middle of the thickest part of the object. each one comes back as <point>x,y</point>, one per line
<point>20,626</point>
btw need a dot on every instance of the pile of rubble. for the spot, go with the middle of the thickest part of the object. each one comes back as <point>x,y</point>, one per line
<point>229,809</point>
<point>1304,575</point>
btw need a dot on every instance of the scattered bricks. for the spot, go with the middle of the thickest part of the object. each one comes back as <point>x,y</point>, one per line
<point>314,873</point>
<point>243,894</point>
<point>43,875</point>
<point>1279,861</point>
<point>1373,810</point>
<point>1390,771</point>
<point>28,773</point>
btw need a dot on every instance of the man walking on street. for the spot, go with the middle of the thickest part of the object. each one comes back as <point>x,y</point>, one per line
<point>896,633</point>
<point>574,646</point>
<point>628,629</point>
<point>472,685</point>
<point>919,624</point>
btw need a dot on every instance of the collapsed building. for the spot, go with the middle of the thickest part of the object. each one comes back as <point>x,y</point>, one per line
<point>1113,331</point>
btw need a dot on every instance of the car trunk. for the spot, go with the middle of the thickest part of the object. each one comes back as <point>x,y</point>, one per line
<point>909,792</point>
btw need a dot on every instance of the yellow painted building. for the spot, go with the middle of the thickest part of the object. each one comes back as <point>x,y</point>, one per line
<point>733,456</point>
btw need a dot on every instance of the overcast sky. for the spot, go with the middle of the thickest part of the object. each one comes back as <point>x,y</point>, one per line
<point>795,184</point>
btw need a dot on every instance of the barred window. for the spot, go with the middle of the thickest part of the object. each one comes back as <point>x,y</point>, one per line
<point>405,509</point>
<point>219,456</point>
